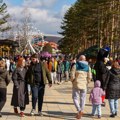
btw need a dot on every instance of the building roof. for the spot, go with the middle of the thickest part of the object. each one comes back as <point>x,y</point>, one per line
<point>9,42</point>
<point>53,44</point>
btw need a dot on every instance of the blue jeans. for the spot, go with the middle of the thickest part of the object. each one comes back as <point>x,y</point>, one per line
<point>113,103</point>
<point>37,93</point>
<point>94,107</point>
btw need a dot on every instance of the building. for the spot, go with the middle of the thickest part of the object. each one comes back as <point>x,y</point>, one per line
<point>8,47</point>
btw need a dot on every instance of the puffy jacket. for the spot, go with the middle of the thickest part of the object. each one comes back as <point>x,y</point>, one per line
<point>80,75</point>
<point>96,93</point>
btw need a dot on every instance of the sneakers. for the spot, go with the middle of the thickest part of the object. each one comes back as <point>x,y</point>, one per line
<point>112,115</point>
<point>15,110</point>
<point>40,113</point>
<point>0,114</point>
<point>115,114</point>
<point>22,114</point>
<point>32,112</point>
<point>103,104</point>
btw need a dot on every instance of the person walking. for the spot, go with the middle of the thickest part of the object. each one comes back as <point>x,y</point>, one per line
<point>112,87</point>
<point>102,72</point>
<point>66,69</point>
<point>36,77</point>
<point>80,77</point>
<point>20,92</point>
<point>7,63</point>
<point>95,98</point>
<point>60,70</point>
<point>4,81</point>
<point>12,66</point>
<point>52,66</point>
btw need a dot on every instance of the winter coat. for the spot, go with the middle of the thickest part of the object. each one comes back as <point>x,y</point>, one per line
<point>20,92</point>
<point>96,94</point>
<point>4,78</point>
<point>113,84</point>
<point>102,73</point>
<point>45,74</point>
<point>80,75</point>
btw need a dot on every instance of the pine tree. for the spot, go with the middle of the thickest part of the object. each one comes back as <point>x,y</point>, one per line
<point>4,16</point>
<point>91,22</point>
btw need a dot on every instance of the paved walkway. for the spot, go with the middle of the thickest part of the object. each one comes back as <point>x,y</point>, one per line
<point>58,105</point>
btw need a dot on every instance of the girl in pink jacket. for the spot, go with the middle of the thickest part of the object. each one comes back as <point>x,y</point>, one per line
<point>95,98</point>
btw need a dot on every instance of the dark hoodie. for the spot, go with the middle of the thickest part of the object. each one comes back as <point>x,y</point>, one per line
<point>4,78</point>
<point>102,73</point>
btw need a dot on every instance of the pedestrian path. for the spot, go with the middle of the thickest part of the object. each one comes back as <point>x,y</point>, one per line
<point>58,105</point>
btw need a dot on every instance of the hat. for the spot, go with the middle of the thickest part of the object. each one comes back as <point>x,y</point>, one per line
<point>107,48</point>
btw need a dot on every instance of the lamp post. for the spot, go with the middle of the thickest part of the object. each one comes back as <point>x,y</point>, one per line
<point>42,41</point>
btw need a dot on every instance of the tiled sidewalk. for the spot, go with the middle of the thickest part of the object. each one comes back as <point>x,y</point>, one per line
<point>58,105</point>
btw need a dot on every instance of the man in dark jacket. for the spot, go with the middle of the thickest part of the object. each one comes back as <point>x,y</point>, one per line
<point>102,73</point>
<point>36,77</point>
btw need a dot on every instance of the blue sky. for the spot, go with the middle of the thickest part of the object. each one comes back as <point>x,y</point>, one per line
<point>58,4</point>
<point>46,14</point>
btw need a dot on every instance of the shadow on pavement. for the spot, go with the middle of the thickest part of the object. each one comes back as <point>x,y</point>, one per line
<point>60,115</point>
<point>88,104</point>
<point>65,116</point>
<point>10,113</point>
<point>59,103</point>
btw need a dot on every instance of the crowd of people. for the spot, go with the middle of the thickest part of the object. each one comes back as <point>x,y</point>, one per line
<point>31,74</point>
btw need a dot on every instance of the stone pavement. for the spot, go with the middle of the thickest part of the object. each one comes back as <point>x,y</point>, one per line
<point>58,105</point>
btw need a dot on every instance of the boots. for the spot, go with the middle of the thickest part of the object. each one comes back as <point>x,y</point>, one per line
<point>79,115</point>
<point>15,110</point>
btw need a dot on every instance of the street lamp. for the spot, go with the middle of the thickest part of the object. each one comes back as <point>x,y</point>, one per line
<point>42,41</point>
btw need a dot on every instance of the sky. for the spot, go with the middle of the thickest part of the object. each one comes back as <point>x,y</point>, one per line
<point>46,15</point>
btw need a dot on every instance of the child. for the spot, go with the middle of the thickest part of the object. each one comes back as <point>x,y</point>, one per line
<point>95,98</point>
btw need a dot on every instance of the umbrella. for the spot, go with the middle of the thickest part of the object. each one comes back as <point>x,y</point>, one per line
<point>45,54</point>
